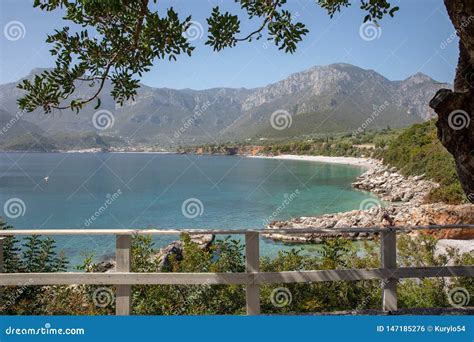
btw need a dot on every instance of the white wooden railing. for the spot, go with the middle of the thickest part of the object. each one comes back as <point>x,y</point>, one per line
<point>252,278</point>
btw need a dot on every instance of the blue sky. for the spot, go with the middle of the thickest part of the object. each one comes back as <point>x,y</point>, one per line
<point>415,40</point>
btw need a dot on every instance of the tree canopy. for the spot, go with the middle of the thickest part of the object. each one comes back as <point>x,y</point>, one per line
<point>119,40</point>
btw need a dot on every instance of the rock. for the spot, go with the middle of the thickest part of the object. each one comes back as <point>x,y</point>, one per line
<point>172,252</point>
<point>439,214</point>
<point>392,186</point>
<point>175,250</point>
<point>106,266</point>
<point>203,240</point>
<point>407,196</point>
<point>409,210</point>
<point>463,246</point>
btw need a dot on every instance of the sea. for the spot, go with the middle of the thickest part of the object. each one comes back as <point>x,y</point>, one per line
<point>166,191</point>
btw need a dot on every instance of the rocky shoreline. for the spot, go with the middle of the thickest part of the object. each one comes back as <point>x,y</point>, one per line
<point>406,196</point>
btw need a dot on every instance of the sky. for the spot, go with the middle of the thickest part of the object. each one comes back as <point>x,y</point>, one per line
<point>420,38</point>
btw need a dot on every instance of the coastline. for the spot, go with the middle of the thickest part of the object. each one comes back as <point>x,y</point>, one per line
<point>407,207</point>
<point>92,151</point>
<point>352,161</point>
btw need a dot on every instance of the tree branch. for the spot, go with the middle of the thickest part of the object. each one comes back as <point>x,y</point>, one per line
<point>262,27</point>
<point>105,76</point>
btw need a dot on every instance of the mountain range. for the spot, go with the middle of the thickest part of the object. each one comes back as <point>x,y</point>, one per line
<point>322,99</point>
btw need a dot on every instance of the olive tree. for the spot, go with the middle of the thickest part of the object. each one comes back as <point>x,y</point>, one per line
<point>119,40</point>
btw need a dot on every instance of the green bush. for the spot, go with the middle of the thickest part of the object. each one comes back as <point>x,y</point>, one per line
<point>38,255</point>
<point>417,151</point>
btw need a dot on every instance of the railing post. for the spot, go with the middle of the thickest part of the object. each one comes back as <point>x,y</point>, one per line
<point>122,255</point>
<point>2,268</point>
<point>252,260</point>
<point>388,253</point>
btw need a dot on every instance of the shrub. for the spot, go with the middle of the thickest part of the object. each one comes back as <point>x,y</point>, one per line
<point>417,151</point>
<point>226,255</point>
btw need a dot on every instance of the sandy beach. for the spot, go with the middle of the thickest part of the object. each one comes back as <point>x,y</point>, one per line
<point>364,162</point>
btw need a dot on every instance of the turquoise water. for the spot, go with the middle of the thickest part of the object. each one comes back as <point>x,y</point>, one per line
<point>148,190</point>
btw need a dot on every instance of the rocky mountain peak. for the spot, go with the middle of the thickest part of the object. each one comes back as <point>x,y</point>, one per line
<point>337,97</point>
<point>418,78</point>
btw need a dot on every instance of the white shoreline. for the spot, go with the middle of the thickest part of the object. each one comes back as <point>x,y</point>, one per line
<point>354,161</point>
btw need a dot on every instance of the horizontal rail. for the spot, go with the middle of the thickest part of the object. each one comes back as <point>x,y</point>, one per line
<point>260,278</point>
<point>293,231</point>
<point>252,278</point>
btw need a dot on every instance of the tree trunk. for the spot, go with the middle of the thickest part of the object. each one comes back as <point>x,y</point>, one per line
<point>455,109</point>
